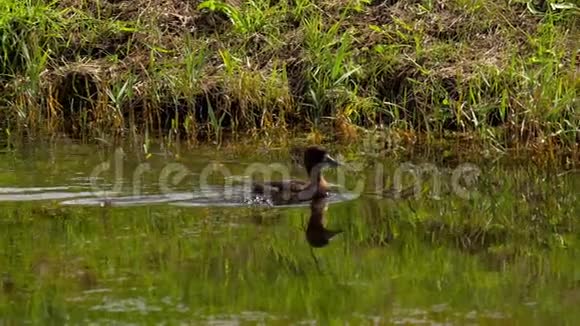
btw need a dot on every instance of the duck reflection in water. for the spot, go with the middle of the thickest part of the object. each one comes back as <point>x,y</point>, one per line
<point>317,234</point>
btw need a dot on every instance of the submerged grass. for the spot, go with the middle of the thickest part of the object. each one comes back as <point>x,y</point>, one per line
<point>505,72</point>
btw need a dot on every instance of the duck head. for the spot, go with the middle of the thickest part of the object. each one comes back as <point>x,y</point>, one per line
<point>316,157</point>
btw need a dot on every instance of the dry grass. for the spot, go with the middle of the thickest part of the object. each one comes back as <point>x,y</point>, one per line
<point>203,70</point>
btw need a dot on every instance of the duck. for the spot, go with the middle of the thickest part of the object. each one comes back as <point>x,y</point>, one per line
<point>315,159</point>
<point>317,234</point>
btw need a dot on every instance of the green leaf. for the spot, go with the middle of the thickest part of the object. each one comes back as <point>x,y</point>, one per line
<point>375,28</point>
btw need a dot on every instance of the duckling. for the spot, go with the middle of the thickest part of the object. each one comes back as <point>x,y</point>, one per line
<point>293,191</point>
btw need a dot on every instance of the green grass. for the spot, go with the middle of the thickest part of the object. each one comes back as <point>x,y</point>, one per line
<point>503,71</point>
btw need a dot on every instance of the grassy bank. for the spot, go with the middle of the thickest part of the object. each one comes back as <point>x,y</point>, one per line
<point>504,72</point>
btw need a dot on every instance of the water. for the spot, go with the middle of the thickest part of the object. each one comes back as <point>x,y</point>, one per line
<point>81,244</point>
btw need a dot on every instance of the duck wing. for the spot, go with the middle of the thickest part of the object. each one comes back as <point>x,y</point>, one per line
<point>279,186</point>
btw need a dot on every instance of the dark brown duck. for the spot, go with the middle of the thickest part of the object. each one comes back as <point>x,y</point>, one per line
<point>292,191</point>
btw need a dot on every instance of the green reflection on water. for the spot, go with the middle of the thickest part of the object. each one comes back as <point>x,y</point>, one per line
<point>510,254</point>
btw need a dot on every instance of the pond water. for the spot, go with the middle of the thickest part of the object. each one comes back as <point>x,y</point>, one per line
<point>92,236</point>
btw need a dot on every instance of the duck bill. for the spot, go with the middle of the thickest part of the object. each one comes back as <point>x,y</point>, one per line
<point>328,160</point>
